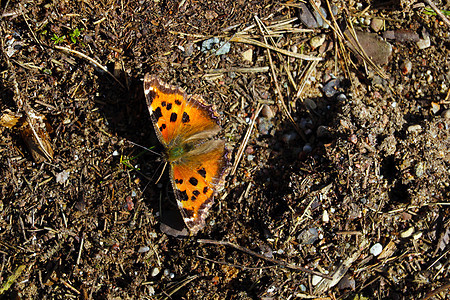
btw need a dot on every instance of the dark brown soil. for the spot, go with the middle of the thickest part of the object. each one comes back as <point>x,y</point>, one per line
<point>321,182</point>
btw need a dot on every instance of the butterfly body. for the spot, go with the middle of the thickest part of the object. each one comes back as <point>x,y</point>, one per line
<point>198,164</point>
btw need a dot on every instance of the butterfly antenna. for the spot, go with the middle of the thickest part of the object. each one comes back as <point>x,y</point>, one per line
<point>145,148</point>
<point>162,172</point>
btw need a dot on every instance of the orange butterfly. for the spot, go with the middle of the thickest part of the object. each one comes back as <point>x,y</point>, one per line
<point>185,125</point>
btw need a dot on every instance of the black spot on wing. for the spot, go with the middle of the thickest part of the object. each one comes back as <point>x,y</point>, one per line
<point>169,106</point>
<point>151,96</point>
<point>163,126</point>
<point>202,172</point>
<point>182,195</point>
<point>179,181</point>
<point>205,190</point>
<point>193,181</point>
<point>157,113</point>
<point>185,118</point>
<point>196,193</point>
<point>163,103</point>
<point>177,102</point>
<point>173,117</point>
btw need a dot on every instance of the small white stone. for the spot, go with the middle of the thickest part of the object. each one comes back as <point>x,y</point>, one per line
<point>248,55</point>
<point>417,235</point>
<point>376,249</point>
<point>316,279</point>
<point>325,217</point>
<point>143,249</point>
<point>155,271</point>
<point>116,153</point>
<point>407,233</point>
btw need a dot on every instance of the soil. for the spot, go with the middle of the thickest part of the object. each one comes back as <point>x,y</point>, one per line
<point>348,159</point>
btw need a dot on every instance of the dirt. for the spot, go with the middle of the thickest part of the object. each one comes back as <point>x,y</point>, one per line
<point>324,179</point>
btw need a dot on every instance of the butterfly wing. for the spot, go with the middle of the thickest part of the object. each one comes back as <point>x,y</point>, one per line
<point>197,178</point>
<point>176,117</point>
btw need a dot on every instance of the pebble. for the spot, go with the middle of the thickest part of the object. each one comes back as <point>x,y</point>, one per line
<point>209,43</point>
<point>446,114</point>
<point>247,55</point>
<point>401,35</point>
<point>317,41</point>
<point>406,67</point>
<point>322,131</point>
<point>116,153</point>
<point>307,148</point>
<point>419,169</point>
<point>407,233</point>
<point>435,107</point>
<point>414,128</point>
<point>376,249</point>
<point>331,87</point>
<point>315,280</point>
<point>62,177</point>
<point>325,216</point>
<point>306,17</point>
<point>224,48</point>
<point>144,249</point>
<point>289,137</point>
<point>417,235</point>
<point>310,104</point>
<point>308,236</point>
<point>267,112</point>
<point>424,43</point>
<point>377,24</point>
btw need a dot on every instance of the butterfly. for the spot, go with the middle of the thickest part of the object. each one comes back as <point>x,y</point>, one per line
<point>185,125</point>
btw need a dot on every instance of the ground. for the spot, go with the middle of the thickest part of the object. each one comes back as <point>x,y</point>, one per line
<point>345,159</point>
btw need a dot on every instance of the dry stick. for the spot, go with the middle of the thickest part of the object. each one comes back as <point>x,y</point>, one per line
<point>245,141</point>
<point>82,55</point>
<point>239,39</point>
<point>272,260</point>
<point>438,12</point>
<point>277,86</point>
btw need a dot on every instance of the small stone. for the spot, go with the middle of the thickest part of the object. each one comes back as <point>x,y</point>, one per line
<point>62,177</point>
<point>325,216</point>
<point>377,24</point>
<point>307,148</point>
<point>446,114</point>
<point>317,41</point>
<point>322,131</point>
<point>406,67</point>
<point>306,17</point>
<point>331,88</point>
<point>424,43</point>
<point>414,128</point>
<point>224,48</point>
<point>116,153</point>
<point>310,104</point>
<point>308,236</point>
<point>267,112</point>
<point>407,233</point>
<point>209,43</point>
<point>419,169</point>
<point>247,55</point>
<point>376,249</point>
<point>315,280</point>
<point>435,107</point>
<point>143,249</point>
<point>155,272</point>
<point>417,235</point>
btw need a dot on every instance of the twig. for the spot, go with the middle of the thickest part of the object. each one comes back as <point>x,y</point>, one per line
<point>438,11</point>
<point>81,250</point>
<point>239,39</point>
<point>84,56</point>
<point>245,141</point>
<point>272,260</point>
